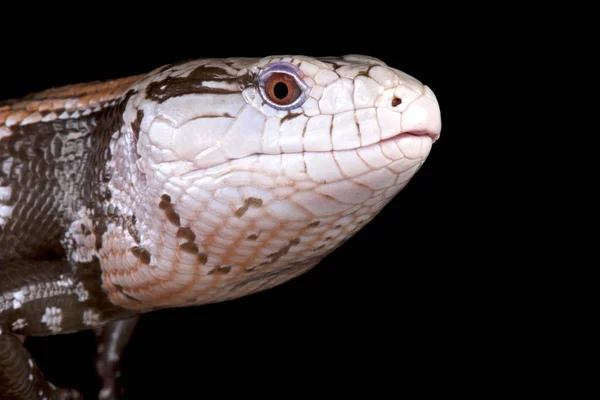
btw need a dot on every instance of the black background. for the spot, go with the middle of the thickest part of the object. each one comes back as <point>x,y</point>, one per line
<point>391,305</point>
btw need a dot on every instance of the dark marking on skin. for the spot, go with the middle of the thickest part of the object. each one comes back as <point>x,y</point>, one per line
<point>333,61</point>
<point>210,73</point>
<point>365,73</point>
<point>193,83</point>
<point>135,125</point>
<point>175,87</point>
<point>282,252</point>
<point>357,125</point>
<point>221,270</point>
<point>141,253</point>
<point>186,234</point>
<point>337,227</point>
<point>319,248</point>
<point>100,226</point>
<point>247,80</point>
<point>304,132</point>
<point>254,236</point>
<point>171,214</point>
<point>189,247</point>
<point>125,294</point>
<point>314,224</point>
<point>328,238</point>
<point>84,230</point>
<point>165,202</point>
<point>173,217</point>
<point>133,231</point>
<point>289,116</point>
<point>202,258</point>
<point>250,201</point>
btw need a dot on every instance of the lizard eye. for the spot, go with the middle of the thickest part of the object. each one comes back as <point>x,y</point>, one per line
<point>282,87</point>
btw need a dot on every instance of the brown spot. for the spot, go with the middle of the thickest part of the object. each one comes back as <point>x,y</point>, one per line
<point>337,226</point>
<point>189,247</point>
<point>251,201</point>
<point>173,217</point>
<point>254,236</point>
<point>396,101</point>
<point>202,258</point>
<point>221,270</point>
<point>186,233</point>
<point>320,247</point>
<point>328,238</point>
<point>165,204</point>
<point>141,253</point>
<point>282,252</point>
<point>314,224</point>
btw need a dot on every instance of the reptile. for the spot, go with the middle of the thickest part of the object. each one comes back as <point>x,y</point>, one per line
<point>199,182</point>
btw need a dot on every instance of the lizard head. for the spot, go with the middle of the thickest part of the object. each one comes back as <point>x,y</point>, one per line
<point>247,172</point>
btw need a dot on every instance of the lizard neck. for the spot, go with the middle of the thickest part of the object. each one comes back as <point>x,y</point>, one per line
<point>54,175</point>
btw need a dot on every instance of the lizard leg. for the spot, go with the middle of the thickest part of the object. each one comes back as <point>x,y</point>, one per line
<point>39,298</point>
<point>21,378</point>
<point>112,339</point>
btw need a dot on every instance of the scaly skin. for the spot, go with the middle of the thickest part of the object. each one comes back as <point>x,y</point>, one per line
<point>190,185</point>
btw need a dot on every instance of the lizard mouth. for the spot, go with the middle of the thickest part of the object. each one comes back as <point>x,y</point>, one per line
<point>434,136</point>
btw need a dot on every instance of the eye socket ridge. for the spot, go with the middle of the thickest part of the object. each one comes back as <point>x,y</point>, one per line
<point>281,87</point>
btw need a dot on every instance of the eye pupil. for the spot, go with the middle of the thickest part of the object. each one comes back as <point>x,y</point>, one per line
<point>280,90</point>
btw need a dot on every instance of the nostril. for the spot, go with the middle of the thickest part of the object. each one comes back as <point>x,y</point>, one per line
<point>396,101</point>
